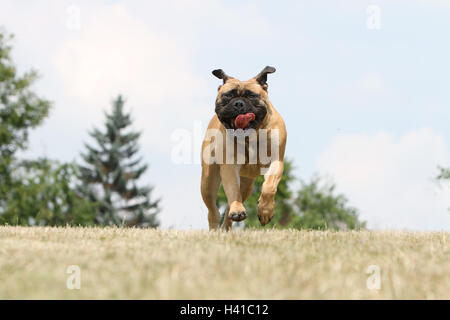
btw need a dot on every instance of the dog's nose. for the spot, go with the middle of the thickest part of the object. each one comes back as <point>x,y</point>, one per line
<point>239,104</point>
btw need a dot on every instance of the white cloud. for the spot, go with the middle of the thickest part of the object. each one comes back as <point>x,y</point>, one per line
<point>117,53</point>
<point>391,181</point>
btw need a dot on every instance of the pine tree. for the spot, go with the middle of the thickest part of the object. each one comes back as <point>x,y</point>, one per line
<point>111,172</point>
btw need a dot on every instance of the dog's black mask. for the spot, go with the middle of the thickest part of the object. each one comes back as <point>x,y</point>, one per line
<point>241,97</point>
<point>232,103</point>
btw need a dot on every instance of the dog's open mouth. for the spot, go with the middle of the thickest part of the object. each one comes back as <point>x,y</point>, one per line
<point>242,121</point>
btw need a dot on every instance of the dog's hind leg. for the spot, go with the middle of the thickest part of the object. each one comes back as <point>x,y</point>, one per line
<point>209,187</point>
<point>227,222</point>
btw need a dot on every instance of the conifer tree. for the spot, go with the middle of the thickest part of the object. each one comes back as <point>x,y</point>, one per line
<point>111,172</point>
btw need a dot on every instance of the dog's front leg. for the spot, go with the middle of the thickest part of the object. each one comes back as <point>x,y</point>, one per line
<point>231,180</point>
<point>268,191</point>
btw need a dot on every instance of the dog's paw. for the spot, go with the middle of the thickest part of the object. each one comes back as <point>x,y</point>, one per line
<point>265,214</point>
<point>237,216</point>
<point>264,219</point>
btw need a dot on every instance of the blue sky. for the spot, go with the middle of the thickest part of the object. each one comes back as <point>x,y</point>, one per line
<point>367,109</point>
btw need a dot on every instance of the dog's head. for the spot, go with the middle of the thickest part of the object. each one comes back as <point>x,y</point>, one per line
<point>242,104</point>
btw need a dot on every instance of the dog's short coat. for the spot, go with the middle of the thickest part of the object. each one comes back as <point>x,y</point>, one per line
<point>236,98</point>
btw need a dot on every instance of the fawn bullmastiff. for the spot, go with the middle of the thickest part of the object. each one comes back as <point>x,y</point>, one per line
<point>245,138</point>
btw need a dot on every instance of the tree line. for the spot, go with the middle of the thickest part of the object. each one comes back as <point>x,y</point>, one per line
<point>103,190</point>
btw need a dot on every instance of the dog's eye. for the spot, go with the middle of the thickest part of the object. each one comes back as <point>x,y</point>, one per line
<point>252,95</point>
<point>227,95</point>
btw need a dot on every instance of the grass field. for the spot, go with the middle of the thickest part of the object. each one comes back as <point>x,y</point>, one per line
<point>165,264</point>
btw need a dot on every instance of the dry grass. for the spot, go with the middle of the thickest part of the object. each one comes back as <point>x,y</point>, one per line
<point>166,264</point>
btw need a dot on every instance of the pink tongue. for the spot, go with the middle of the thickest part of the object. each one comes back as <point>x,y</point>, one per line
<point>242,120</point>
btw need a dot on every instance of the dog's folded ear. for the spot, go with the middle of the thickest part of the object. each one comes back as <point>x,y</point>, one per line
<point>219,73</point>
<point>262,76</point>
